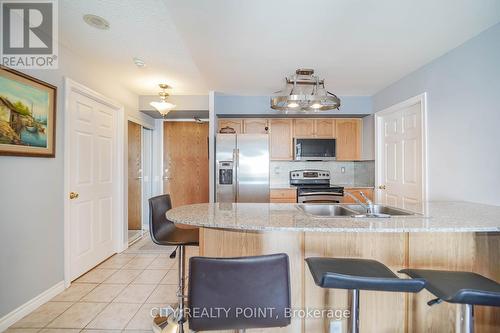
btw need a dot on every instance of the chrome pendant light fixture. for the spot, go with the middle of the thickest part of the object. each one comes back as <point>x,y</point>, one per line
<point>163,106</point>
<point>305,92</point>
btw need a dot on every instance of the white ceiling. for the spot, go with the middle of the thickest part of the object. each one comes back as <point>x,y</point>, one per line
<point>139,28</point>
<point>247,47</point>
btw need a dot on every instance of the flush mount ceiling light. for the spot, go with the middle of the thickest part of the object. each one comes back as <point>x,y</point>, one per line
<point>304,91</point>
<point>163,106</point>
<point>96,21</point>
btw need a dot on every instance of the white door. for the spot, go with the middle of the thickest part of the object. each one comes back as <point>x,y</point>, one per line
<point>400,156</point>
<point>91,172</point>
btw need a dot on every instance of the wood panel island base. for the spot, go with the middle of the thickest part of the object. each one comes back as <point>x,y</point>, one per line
<point>439,239</point>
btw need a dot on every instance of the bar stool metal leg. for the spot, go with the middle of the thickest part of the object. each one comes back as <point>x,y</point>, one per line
<point>465,318</point>
<point>354,308</point>
<point>180,292</point>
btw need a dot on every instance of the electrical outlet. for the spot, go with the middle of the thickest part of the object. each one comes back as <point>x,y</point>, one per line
<point>335,326</point>
<point>342,169</point>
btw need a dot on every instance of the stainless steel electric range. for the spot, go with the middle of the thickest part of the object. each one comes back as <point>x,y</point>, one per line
<point>313,186</point>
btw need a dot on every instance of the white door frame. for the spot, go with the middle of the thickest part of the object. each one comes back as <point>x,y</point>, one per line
<point>119,222</point>
<point>157,158</point>
<point>422,99</point>
<point>212,132</point>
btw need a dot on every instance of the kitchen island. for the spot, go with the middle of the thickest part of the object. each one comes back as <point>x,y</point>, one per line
<point>448,235</point>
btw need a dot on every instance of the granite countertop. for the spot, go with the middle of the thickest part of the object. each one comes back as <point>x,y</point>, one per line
<point>437,217</point>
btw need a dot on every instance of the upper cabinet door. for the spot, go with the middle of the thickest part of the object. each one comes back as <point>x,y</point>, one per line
<point>236,124</point>
<point>281,139</point>
<point>255,126</point>
<point>348,139</point>
<point>324,128</point>
<point>303,128</point>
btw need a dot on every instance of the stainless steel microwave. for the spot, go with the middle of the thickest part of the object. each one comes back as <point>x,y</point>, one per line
<point>314,149</point>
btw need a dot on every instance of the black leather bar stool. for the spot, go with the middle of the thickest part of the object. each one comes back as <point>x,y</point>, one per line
<point>164,232</point>
<point>464,288</point>
<point>255,291</point>
<point>358,274</point>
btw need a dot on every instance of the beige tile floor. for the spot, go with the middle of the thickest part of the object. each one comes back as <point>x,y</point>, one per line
<point>116,296</point>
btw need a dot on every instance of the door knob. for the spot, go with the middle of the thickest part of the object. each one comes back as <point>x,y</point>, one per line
<point>73,195</point>
<point>381,187</point>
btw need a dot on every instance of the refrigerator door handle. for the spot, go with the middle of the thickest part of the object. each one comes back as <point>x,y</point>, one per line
<point>236,159</point>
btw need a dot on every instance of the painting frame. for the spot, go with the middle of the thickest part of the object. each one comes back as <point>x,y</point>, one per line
<point>20,149</point>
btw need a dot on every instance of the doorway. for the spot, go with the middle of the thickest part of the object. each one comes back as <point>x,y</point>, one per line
<point>400,143</point>
<point>185,162</point>
<point>134,181</point>
<point>147,174</point>
<point>140,156</point>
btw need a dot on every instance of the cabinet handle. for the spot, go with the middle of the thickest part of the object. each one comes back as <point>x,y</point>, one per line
<point>73,195</point>
<point>381,187</point>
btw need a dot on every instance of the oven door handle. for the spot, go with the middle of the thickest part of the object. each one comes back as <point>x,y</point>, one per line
<point>319,198</point>
<point>322,193</point>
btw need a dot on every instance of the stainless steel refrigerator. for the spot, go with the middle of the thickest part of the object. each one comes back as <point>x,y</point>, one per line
<point>242,167</point>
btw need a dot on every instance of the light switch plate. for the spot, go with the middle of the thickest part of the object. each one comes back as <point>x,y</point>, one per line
<point>335,326</point>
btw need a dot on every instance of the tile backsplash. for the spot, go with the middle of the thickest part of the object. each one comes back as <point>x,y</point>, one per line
<point>359,173</point>
<point>364,173</point>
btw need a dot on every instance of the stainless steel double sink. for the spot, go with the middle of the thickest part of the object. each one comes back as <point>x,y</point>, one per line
<point>348,210</point>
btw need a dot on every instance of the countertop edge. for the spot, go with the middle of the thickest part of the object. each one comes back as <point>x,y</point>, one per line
<point>456,217</point>
<point>355,230</point>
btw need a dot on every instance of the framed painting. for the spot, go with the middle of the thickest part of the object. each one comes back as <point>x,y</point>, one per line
<point>27,115</point>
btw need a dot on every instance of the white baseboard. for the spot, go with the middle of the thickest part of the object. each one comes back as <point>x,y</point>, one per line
<point>29,306</point>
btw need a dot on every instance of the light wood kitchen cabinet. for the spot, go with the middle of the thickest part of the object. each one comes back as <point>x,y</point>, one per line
<point>324,128</point>
<point>280,139</point>
<point>314,128</point>
<point>285,195</point>
<point>347,131</point>
<point>236,124</point>
<point>303,128</point>
<point>255,126</point>
<point>348,134</point>
<point>368,191</point>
